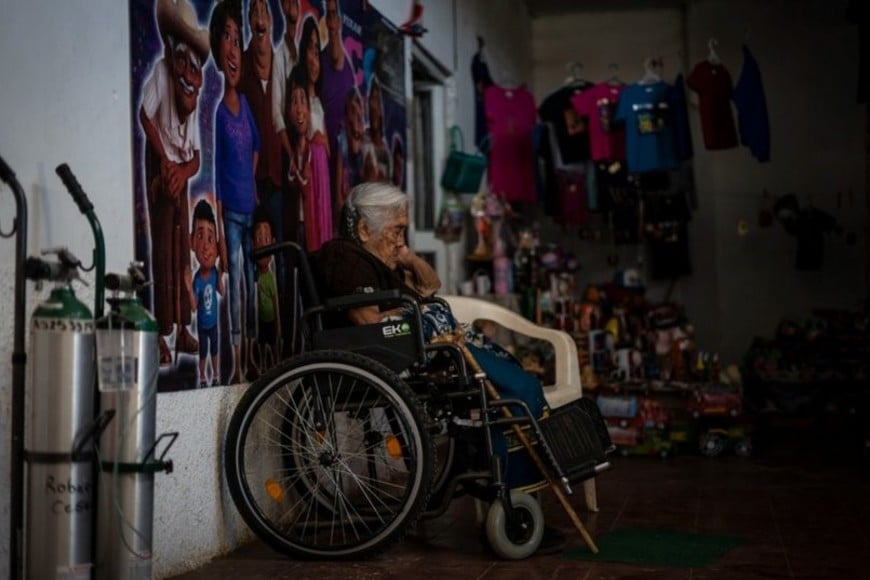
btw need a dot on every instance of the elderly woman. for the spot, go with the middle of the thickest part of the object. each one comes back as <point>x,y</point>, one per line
<point>372,255</point>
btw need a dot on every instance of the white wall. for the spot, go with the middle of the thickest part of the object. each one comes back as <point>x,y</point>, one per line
<point>808,56</point>
<point>65,98</point>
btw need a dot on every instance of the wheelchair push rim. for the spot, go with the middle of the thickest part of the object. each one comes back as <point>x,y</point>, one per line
<point>328,456</point>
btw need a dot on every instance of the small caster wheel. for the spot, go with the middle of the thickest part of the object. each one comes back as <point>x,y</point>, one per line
<point>711,444</point>
<point>519,536</point>
<point>743,448</point>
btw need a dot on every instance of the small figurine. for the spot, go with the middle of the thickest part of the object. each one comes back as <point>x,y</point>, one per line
<point>482,225</point>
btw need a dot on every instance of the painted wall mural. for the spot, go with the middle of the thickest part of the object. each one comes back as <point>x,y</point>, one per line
<point>251,122</point>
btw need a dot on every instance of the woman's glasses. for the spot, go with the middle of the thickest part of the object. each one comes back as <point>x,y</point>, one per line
<point>395,233</point>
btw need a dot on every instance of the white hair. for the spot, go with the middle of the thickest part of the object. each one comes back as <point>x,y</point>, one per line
<point>377,202</point>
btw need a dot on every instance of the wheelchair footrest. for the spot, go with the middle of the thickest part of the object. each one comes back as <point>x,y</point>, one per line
<point>574,440</point>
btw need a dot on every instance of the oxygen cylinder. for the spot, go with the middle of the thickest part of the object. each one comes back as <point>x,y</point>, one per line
<point>58,435</point>
<point>127,363</point>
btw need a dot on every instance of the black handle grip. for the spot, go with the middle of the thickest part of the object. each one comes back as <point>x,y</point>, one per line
<point>37,269</point>
<point>133,281</point>
<point>75,190</point>
<point>118,282</point>
<point>6,173</point>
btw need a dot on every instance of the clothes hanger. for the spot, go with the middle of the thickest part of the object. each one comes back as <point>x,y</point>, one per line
<point>574,78</point>
<point>614,76</point>
<point>508,82</point>
<point>651,67</point>
<point>712,56</point>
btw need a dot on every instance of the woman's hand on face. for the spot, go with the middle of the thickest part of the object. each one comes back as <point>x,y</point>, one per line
<point>406,256</point>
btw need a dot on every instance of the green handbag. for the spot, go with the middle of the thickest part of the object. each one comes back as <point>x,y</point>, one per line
<point>463,171</point>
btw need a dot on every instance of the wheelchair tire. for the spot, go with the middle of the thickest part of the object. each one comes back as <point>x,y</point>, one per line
<point>327,457</point>
<point>520,538</point>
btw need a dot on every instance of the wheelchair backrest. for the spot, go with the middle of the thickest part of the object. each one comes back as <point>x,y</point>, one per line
<point>324,324</point>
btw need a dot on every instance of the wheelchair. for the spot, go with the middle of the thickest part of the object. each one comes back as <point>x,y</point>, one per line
<point>336,451</point>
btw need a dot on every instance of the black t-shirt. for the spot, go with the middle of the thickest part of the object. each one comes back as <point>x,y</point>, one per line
<point>572,134</point>
<point>667,235</point>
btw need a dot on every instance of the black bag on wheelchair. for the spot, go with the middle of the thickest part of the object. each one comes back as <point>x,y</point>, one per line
<point>395,344</point>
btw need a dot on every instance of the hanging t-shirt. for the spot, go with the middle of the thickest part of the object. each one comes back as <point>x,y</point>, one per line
<point>543,172</point>
<point>573,209</point>
<point>597,104</point>
<point>667,235</point>
<point>752,109</point>
<point>618,199</point>
<point>510,118</point>
<point>649,134</point>
<point>481,79</point>
<point>682,133</point>
<point>571,131</point>
<point>713,84</point>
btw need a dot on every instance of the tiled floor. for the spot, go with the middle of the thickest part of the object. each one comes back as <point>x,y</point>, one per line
<point>801,505</point>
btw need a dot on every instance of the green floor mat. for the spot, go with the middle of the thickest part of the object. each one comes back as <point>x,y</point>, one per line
<point>657,547</point>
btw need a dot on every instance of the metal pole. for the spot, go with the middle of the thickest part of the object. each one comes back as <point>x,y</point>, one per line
<point>19,365</point>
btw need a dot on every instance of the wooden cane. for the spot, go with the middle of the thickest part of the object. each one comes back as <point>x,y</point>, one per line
<point>545,471</point>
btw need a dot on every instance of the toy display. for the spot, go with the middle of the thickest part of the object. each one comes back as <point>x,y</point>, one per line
<point>814,370</point>
<point>701,418</point>
<point>659,393</point>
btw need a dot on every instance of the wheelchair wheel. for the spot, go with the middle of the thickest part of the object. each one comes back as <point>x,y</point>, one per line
<point>515,536</point>
<point>327,456</point>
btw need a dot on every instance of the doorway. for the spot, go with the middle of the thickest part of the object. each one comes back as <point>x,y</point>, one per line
<point>427,126</point>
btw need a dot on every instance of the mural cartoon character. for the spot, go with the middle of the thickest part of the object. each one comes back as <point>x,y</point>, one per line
<point>207,285</point>
<point>168,116</point>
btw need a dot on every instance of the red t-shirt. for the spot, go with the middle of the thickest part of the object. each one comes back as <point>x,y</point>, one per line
<point>511,116</point>
<point>598,104</point>
<point>713,84</point>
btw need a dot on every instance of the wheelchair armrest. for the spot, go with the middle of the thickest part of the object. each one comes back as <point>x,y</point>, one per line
<point>568,386</point>
<point>357,300</point>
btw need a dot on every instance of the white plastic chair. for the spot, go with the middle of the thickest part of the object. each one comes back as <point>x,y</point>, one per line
<point>567,387</point>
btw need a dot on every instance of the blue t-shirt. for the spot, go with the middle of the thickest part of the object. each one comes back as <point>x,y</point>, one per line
<point>647,112</point>
<point>752,109</point>
<point>235,141</point>
<point>206,299</point>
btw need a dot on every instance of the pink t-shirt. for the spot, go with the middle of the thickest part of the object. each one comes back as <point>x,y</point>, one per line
<point>511,116</point>
<point>598,104</point>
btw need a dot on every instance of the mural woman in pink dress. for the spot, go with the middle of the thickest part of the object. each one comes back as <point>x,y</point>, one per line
<point>318,203</point>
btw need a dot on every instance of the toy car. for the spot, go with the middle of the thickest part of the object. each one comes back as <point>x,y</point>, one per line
<point>712,400</point>
<point>714,442</point>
